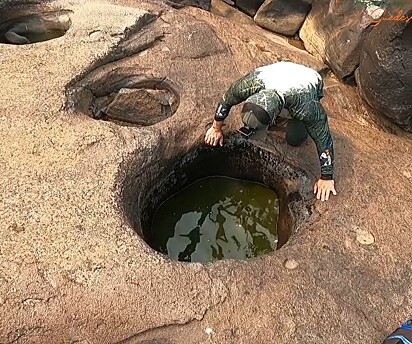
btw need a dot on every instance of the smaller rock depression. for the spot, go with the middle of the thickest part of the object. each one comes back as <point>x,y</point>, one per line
<point>125,97</point>
<point>34,28</point>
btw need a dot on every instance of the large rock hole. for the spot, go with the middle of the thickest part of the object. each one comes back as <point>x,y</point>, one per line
<point>238,159</point>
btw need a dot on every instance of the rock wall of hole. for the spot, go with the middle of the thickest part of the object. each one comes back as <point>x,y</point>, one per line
<point>146,189</point>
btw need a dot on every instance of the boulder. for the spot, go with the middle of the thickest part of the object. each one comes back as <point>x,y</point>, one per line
<point>384,76</point>
<point>336,105</point>
<point>284,17</point>
<point>335,31</point>
<point>227,10</point>
<point>249,6</point>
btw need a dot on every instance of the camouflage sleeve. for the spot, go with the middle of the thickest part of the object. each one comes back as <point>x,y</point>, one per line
<point>312,114</point>
<point>238,92</point>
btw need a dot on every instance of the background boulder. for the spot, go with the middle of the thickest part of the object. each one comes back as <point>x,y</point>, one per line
<point>335,32</point>
<point>384,76</point>
<point>284,17</point>
<point>249,6</point>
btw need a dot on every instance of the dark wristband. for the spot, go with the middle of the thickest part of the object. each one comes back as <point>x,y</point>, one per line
<point>222,112</point>
<point>219,118</point>
<point>326,176</point>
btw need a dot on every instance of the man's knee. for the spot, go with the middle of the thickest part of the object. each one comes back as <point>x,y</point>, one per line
<point>296,132</point>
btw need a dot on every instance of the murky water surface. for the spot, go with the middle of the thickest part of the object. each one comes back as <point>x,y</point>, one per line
<point>216,218</point>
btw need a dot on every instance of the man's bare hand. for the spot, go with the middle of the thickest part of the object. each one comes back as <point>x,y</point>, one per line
<point>214,137</point>
<point>323,188</point>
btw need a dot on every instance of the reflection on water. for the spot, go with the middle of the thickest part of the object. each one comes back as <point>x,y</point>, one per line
<point>216,218</point>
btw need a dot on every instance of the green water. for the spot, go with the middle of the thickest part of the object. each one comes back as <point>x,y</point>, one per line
<point>216,218</point>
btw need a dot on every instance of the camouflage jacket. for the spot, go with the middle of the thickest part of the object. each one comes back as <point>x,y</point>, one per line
<point>294,87</point>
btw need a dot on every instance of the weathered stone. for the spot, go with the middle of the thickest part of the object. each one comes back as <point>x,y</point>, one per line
<point>335,31</point>
<point>80,263</point>
<point>284,17</point>
<point>384,76</point>
<point>249,6</point>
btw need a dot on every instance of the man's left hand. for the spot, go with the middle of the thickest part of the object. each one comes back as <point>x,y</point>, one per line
<point>323,188</point>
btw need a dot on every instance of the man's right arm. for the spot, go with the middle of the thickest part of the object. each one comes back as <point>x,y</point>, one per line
<point>312,114</point>
<point>238,92</point>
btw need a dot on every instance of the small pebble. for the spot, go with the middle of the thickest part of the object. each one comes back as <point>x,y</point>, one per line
<point>290,264</point>
<point>365,238</point>
<point>209,331</point>
<point>407,174</point>
<point>348,243</point>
